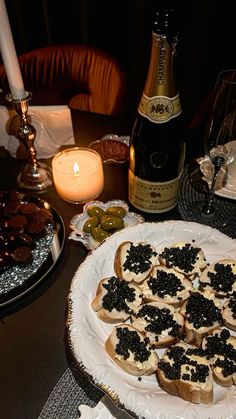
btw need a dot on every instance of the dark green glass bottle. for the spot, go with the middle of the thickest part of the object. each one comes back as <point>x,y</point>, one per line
<point>157,149</point>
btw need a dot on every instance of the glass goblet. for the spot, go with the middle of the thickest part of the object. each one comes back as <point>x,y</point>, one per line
<point>220,132</point>
<point>198,202</point>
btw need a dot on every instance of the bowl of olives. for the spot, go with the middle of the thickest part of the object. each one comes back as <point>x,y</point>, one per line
<point>100,220</point>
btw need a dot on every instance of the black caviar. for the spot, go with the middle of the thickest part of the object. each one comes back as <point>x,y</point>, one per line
<point>138,258</point>
<point>129,340</point>
<point>184,258</point>
<point>224,353</point>
<point>158,320</point>
<point>118,292</point>
<point>165,283</point>
<point>201,311</point>
<point>194,371</point>
<point>223,279</point>
<point>232,306</point>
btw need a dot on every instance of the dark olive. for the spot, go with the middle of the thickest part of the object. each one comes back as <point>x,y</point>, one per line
<point>95,210</point>
<point>110,222</point>
<point>90,224</point>
<point>99,234</point>
<point>116,211</point>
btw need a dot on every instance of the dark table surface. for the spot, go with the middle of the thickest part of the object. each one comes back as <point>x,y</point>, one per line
<point>32,330</point>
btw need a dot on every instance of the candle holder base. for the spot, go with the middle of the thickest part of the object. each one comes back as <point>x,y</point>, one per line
<point>35,176</point>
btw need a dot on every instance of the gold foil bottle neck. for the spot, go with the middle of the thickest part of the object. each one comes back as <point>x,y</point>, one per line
<point>160,100</point>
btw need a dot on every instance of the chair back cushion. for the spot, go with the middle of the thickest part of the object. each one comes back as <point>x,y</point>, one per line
<point>83,77</point>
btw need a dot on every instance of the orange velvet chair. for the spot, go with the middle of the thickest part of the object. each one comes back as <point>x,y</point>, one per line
<point>82,77</point>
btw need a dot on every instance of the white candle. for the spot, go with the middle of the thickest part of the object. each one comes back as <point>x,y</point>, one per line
<point>9,56</point>
<point>78,174</point>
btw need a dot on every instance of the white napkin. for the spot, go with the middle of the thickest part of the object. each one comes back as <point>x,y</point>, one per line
<point>53,129</point>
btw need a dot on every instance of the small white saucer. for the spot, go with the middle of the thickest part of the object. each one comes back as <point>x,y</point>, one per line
<point>77,222</point>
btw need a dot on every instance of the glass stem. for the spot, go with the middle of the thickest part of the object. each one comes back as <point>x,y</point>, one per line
<point>209,208</point>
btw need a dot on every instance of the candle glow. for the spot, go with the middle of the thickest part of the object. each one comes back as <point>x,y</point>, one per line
<point>76,169</point>
<point>78,174</point>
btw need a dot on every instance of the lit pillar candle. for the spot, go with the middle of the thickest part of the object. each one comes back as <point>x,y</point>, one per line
<point>78,174</point>
<point>9,56</point>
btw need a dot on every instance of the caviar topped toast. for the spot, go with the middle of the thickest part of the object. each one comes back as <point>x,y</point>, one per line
<point>220,278</point>
<point>166,285</point>
<point>185,371</point>
<point>159,322</point>
<point>131,351</point>
<point>134,261</point>
<point>220,348</point>
<point>186,258</point>
<point>116,299</point>
<point>202,316</point>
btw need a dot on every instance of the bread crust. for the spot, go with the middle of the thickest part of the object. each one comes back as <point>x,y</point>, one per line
<point>192,391</point>
<point>174,300</point>
<point>121,256</point>
<point>129,365</point>
<point>115,315</point>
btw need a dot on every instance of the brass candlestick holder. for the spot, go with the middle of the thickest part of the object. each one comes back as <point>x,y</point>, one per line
<point>35,175</point>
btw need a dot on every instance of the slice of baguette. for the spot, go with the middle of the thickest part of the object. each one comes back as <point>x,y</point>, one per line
<point>116,299</point>
<point>159,322</point>
<point>186,258</point>
<point>130,351</point>
<point>184,371</point>
<point>220,278</point>
<point>134,261</point>
<point>221,349</point>
<point>229,313</point>
<point>166,285</point>
<point>202,315</point>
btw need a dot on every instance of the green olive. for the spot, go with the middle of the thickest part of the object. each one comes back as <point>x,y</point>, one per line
<point>99,234</point>
<point>116,211</point>
<point>110,222</point>
<point>95,210</point>
<point>90,224</point>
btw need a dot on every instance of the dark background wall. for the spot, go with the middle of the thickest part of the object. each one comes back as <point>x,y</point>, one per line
<point>122,28</point>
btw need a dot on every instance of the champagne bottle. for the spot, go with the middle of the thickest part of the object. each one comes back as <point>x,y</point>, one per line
<point>157,149</point>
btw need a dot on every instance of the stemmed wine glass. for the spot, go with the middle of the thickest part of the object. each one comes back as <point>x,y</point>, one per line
<point>219,145</point>
<point>220,132</point>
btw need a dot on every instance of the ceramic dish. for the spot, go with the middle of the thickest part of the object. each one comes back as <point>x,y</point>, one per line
<point>144,398</point>
<point>112,148</point>
<point>78,221</point>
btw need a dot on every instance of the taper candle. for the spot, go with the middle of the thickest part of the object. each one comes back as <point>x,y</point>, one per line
<point>9,56</point>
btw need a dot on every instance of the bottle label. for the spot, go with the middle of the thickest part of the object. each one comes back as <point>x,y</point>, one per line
<point>153,197</point>
<point>159,109</point>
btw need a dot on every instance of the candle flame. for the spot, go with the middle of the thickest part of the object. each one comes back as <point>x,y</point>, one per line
<point>76,168</point>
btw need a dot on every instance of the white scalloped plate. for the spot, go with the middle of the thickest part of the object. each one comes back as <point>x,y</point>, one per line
<point>77,222</point>
<point>88,333</point>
